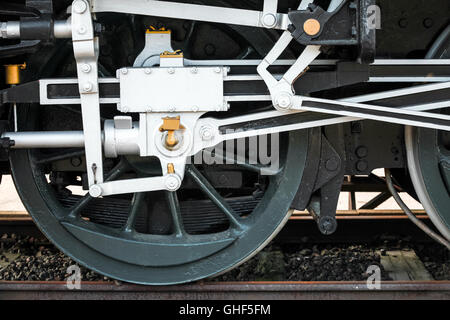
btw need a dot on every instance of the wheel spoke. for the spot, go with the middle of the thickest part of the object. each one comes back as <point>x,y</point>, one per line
<point>215,197</point>
<point>174,207</point>
<point>136,203</point>
<point>115,173</point>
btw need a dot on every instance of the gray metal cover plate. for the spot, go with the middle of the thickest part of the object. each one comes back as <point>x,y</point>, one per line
<point>171,89</point>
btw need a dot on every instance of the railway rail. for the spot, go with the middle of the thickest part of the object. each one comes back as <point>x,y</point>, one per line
<point>351,222</point>
<point>228,291</point>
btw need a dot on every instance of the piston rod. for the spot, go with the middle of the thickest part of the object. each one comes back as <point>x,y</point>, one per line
<point>50,139</point>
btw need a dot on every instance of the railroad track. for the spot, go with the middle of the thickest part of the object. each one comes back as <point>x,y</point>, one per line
<point>228,291</point>
<point>353,226</point>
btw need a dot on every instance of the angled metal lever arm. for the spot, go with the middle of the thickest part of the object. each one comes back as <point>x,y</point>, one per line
<point>265,19</point>
<point>378,113</point>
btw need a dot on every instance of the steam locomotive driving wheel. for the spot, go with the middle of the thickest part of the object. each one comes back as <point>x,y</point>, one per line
<point>221,216</point>
<point>163,142</point>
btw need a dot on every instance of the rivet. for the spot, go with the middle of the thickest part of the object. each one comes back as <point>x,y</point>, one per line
<point>87,87</point>
<point>82,30</point>
<point>269,20</point>
<point>95,191</point>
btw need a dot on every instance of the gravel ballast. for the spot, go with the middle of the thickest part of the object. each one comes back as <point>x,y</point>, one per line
<point>32,259</point>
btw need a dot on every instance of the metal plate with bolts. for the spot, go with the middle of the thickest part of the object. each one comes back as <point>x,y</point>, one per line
<point>172,89</point>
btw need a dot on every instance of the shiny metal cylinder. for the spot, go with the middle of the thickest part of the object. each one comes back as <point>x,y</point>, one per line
<point>10,30</point>
<point>63,28</point>
<point>50,139</point>
<point>120,141</point>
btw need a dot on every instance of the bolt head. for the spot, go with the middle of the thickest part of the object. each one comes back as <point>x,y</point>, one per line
<point>87,87</point>
<point>79,6</point>
<point>173,182</point>
<point>284,101</point>
<point>269,20</point>
<point>332,164</point>
<point>86,68</point>
<point>95,191</point>
<point>327,225</point>
<point>207,133</point>
<point>362,152</point>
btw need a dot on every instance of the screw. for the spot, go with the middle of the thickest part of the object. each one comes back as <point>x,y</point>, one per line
<point>194,70</point>
<point>217,70</point>
<point>149,109</point>
<point>148,71</point>
<point>171,70</point>
<point>124,71</point>
<point>125,109</point>
<point>86,68</point>
<point>79,6</point>
<point>195,108</point>
<point>172,109</point>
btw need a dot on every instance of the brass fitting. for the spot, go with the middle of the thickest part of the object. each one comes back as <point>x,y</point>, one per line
<point>311,27</point>
<point>12,73</point>
<point>175,54</point>
<point>170,168</point>
<point>170,125</point>
<point>152,29</point>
